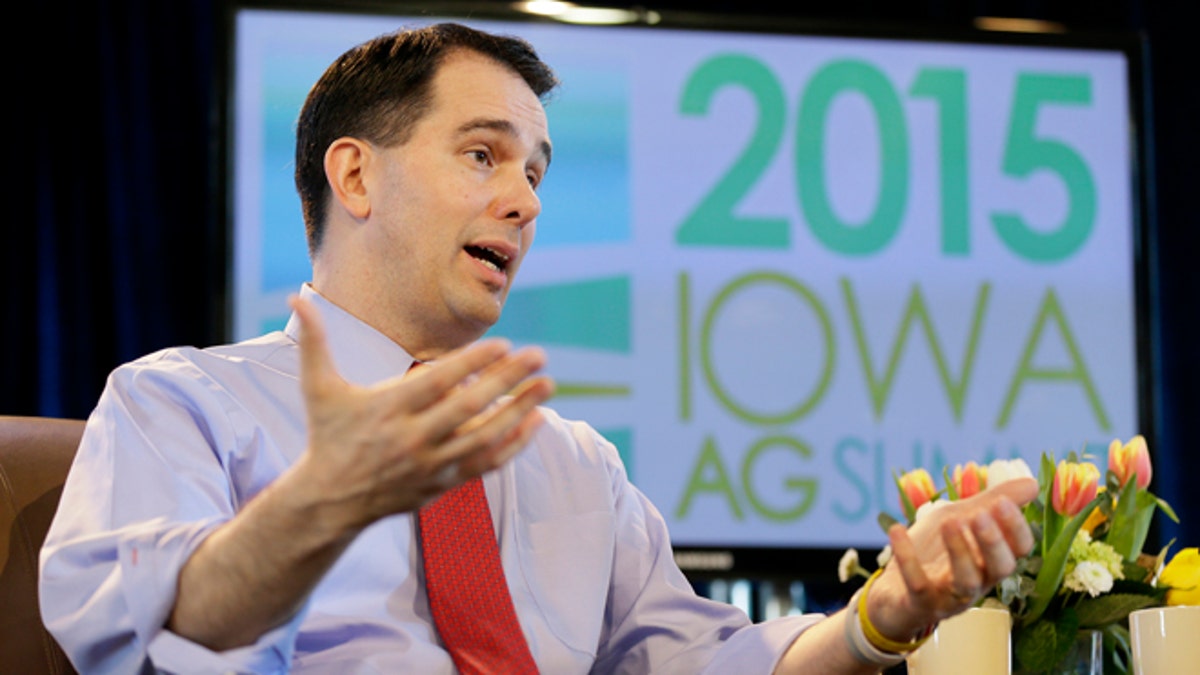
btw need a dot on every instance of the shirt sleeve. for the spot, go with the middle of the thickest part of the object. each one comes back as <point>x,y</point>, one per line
<point>146,488</point>
<point>655,622</point>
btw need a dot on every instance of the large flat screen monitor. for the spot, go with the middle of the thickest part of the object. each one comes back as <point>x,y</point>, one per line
<point>774,267</point>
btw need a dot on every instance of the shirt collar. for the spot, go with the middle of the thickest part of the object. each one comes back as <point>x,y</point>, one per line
<point>361,354</point>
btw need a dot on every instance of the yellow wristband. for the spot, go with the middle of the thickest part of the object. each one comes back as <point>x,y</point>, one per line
<point>874,636</point>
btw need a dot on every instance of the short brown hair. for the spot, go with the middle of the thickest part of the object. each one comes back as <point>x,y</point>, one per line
<point>380,89</point>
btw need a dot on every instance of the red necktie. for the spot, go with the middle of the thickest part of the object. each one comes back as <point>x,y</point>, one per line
<point>468,595</point>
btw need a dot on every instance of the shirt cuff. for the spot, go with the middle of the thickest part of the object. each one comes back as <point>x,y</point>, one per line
<point>150,559</point>
<point>171,653</point>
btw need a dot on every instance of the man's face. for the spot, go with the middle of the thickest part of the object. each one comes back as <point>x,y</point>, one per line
<point>458,207</point>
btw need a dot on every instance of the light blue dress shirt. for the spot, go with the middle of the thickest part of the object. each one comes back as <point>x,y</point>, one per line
<point>182,439</point>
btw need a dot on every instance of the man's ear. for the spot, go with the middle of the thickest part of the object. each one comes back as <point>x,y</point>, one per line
<point>346,163</point>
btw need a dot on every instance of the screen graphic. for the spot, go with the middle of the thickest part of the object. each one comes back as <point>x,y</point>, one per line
<point>773,269</point>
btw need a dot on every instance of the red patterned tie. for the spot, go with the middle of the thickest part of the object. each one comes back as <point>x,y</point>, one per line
<point>468,595</point>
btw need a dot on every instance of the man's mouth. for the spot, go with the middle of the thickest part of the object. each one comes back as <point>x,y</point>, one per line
<point>490,257</point>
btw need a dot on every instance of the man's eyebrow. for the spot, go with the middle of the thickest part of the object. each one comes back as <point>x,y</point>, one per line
<point>503,126</point>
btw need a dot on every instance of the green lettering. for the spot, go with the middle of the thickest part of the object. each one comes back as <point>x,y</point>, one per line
<point>685,347</point>
<point>842,462</point>
<point>1051,310</point>
<point>948,87</point>
<point>874,234</point>
<point>806,487</point>
<point>717,481</point>
<point>1026,153</point>
<point>915,311</point>
<point>806,404</point>
<point>712,222</point>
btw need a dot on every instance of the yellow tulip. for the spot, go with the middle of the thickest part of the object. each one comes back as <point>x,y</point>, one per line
<point>1075,484</point>
<point>969,480</point>
<point>1129,459</point>
<point>1182,574</point>
<point>918,486</point>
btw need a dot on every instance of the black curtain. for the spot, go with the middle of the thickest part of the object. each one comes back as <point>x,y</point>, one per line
<point>117,247</point>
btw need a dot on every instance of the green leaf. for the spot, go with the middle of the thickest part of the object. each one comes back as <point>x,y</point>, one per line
<point>1134,571</point>
<point>1131,521</point>
<point>951,491</point>
<point>1046,477</point>
<point>1066,631</point>
<point>910,511</point>
<point>1116,643</point>
<point>1035,645</point>
<point>1041,645</point>
<point>1051,521</point>
<point>1106,609</point>
<point>886,521</point>
<point>1128,587</point>
<point>1166,508</point>
<point>1054,560</point>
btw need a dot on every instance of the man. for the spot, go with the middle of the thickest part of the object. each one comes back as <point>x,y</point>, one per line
<point>252,508</point>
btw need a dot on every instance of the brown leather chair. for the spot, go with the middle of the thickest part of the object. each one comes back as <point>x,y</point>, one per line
<point>35,455</point>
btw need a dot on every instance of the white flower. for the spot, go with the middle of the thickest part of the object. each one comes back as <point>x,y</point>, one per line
<point>848,565</point>
<point>1090,577</point>
<point>885,556</point>
<point>1083,549</point>
<point>1002,470</point>
<point>930,507</point>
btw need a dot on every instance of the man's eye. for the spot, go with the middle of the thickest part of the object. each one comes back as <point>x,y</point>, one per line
<point>481,156</point>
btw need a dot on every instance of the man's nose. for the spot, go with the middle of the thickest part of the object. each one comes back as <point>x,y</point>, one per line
<point>518,202</point>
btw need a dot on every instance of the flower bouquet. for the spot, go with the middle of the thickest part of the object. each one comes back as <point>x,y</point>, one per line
<point>1087,570</point>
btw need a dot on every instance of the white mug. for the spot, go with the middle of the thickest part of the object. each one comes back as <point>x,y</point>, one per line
<point>976,641</point>
<point>1166,640</point>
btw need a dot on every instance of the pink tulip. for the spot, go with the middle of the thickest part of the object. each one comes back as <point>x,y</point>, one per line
<point>1130,459</point>
<point>918,485</point>
<point>1075,484</point>
<point>969,480</point>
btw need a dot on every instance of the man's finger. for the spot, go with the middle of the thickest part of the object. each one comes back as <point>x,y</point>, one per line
<point>465,458</point>
<point>508,446</point>
<point>316,365</point>
<point>998,558</point>
<point>499,379</point>
<point>963,566</point>
<point>906,558</point>
<point>1020,491</point>
<point>428,385</point>
<point>482,435</point>
<point>1014,526</point>
<point>517,439</point>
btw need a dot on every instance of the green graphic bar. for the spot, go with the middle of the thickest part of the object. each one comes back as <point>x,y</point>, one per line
<point>582,389</point>
<point>622,438</point>
<point>591,314</point>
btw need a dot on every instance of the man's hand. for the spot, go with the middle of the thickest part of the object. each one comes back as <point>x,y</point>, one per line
<point>375,451</point>
<point>951,558</point>
<point>939,567</point>
<point>372,452</point>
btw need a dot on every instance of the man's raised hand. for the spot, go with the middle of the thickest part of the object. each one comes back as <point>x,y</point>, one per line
<point>391,447</point>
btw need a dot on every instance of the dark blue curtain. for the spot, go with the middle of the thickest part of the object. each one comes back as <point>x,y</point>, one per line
<point>117,247</point>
